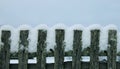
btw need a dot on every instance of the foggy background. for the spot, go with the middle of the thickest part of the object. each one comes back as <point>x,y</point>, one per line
<point>51,12</point>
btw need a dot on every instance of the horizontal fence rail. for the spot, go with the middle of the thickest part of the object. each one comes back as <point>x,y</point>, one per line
<point>59,47</point>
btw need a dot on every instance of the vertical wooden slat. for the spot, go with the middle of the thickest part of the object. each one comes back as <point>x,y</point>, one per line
<point>77,47</point>
<point>112,44</point>
<point>41,49</point>
<point>23,49</point>
<point>5,50</point>
<point>59,49</point>
<point>94,49</point>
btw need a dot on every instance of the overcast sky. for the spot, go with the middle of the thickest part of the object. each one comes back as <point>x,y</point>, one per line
<point>50,12</point>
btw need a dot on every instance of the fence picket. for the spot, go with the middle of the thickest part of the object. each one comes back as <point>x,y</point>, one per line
<point>59,49</point>
<point>77,47</point>
<point>41,49</point>
<point>5,50</point>
<point>112,44</point>
<point>94,49</point>
<point>23,49</point>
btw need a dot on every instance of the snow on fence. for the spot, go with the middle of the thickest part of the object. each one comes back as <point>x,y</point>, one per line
<point>61,39</point>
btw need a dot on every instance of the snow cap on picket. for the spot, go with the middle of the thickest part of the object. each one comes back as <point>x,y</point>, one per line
<point>13,38</point>
<point>24,27</point>
<point>94,27</point>
<point>69,35</point>
<point>51,35</point>
<point>34,37</point>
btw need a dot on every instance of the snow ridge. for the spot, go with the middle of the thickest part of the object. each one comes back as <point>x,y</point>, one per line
<point>69,33</point>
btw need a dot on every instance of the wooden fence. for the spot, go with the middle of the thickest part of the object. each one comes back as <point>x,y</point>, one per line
<point>59,49</point>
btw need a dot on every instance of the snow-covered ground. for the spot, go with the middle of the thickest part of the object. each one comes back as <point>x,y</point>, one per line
<point>50,60</point>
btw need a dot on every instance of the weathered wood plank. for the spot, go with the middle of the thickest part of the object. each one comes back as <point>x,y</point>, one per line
<point>23,49</point>
<point>112,44</point>
<point>5,50</point>
<point>94,49</point>
<point>59,49</point>
<point>77,47</point>
<point>41,49</point>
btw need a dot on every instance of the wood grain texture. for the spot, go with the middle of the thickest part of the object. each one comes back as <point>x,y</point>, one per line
<point>41,49</point>
<point>77,48</point>
<point>23,49</point>
<point>94,49</point>
<point>112,49</point>
<point>59,49</point>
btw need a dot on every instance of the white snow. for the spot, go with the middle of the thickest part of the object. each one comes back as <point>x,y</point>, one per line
<point>6,27</point>
<point>113,27</point>
<point>103,39</point>
<point>1,44</point>
<point>22,47</point>
<point>51,35</point>
<point>77,27</point>
<point>33,41</point>
<point>23,27</point>
<point>86,36</point>
<point>94,27</point>
<point>14,41</point>
<point>50,39</point>
<point>68,39</point>
<point>59,26</point>
<point>118,42</point>
<point>34,61</point>
<point>13,38</point>
<point>104,36</point>
<point>50,60</point>
<point>69,35</point>
<point>34,37</point>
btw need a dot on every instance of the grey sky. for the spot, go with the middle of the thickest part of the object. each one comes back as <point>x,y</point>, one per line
<point>50,12</point>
